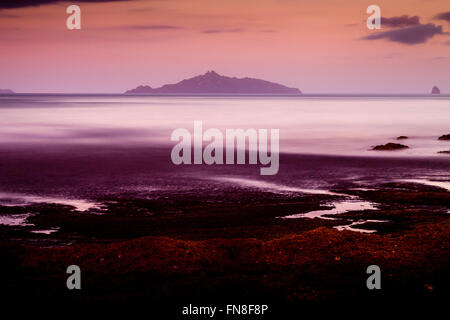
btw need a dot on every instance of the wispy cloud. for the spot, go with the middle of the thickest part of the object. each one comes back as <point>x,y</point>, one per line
<point>150,27</point>
<point>223,30</point>
<point>438,58</point>
<point>443,16</point>
<point>410,35</point>
<point>8,16</point>
<point>12,4</point>
<point>391,56</point>
<point>145,9</point>
<point>400,21</point>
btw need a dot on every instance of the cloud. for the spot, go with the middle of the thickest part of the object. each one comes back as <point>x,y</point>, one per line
<point>222,30</point>
<point>401,21</point>
<point>150,27</point>
<point>147,9</point>
<point>410,35</point>
<point>391,56</point>
<point>438,58</point>
<point>8,16</point>
<point>13,4</point>
<point>443,16</point>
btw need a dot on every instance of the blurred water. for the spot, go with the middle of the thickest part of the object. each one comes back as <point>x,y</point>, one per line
<point>310,125</point>
<point>90,152</point>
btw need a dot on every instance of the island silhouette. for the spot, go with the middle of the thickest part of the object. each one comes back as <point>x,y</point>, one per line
<point>213,83</point>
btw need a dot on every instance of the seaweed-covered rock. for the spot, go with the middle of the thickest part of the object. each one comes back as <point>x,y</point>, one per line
<point>390,146</point>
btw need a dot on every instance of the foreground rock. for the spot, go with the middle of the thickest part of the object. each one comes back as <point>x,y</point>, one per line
<point>445,137</point>
<point>319,265</point>
<point>390,146</point>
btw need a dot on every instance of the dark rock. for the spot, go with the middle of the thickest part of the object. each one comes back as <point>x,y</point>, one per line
<point>444,137</point>
<point>445,152</point>
<point>402,137</point>
<point>435,90</point>
<point>390,146</point>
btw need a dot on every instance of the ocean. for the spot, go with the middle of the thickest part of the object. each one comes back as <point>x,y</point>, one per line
<point>340,125</point>
<point>89,152</point>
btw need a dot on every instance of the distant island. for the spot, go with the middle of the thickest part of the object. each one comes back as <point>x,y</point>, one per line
<point>214,83</point>
<point>435,90</point>
<point>6,91</point>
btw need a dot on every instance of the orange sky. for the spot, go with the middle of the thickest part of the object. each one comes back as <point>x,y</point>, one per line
<point>313,45</point>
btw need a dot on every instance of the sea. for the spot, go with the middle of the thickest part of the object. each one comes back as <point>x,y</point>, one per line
<point>77,150</point>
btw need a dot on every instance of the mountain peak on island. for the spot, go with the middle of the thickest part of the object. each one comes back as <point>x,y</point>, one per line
<point>211,73</point>
<point>212,83</point>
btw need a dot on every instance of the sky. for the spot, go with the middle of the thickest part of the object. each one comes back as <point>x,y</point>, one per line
<point>321,46</point>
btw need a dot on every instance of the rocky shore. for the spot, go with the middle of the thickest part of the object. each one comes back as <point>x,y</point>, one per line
<point>144,234</point>
<point>213,254</point>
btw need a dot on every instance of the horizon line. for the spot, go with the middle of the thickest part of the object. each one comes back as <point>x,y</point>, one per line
<point>229,95</point>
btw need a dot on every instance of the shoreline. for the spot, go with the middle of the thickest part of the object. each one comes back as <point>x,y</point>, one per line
<point>197,238</point>
<point>302,95</point>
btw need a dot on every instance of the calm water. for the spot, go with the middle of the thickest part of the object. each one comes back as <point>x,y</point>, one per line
<point>308,125</point>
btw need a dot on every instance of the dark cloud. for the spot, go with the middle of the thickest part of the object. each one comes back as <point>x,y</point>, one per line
<point>401,21</point>
<point>443,16</point>
<point>12,4</point>
<point>410,35</point>
<point>222,30</point>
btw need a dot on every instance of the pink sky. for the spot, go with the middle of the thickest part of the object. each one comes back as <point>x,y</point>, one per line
<point>315,46</point>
